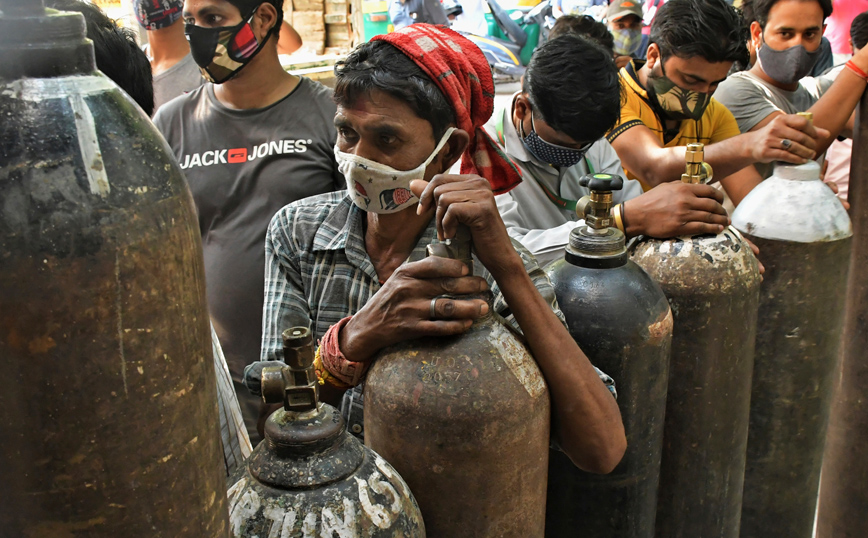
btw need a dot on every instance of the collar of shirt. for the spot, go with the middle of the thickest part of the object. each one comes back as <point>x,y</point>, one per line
<point>343,229</point>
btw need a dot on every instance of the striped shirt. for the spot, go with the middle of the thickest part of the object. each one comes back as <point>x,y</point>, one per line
<point>317,272</point>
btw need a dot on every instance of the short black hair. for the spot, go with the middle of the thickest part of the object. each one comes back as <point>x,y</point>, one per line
<point>118,55</point>
<point>583,25</point>
<point>379,66</point>
<point>762,8</point>
<point>747,13</point>
<point>710,29</point>
<point>245,7</point>
<point>572,84</point>
<point>859,30</point>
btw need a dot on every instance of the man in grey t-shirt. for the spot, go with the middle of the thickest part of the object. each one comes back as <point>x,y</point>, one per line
<point>786,36</point>
<point>248,146</point>
<point>174,70</point>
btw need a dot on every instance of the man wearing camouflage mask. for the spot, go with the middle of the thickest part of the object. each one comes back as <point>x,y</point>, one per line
<point>786,36</point>
<point>252,140</point>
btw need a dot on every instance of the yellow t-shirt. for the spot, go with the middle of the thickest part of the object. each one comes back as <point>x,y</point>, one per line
<point>717,122</point>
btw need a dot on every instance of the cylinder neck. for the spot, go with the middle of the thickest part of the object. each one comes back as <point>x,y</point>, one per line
<point>591,248</point>
<point>40,43</point>
<point>810,171</point>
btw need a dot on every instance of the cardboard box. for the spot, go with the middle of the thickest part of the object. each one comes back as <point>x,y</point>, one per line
<point>335,18</point>
<point>306,22</point>
<point>332,6</point>
<point>307,5</point>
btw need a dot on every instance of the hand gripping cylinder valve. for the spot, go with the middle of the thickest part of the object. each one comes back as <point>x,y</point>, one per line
<point>712,283</point>
<point>805,236</point>
<point>465,420</point>
<point>620,318</point>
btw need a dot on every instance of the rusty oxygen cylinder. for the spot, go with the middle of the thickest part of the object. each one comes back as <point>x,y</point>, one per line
<point>804,235</point>
<point>465,420</point>
<point>108,411</point>
<point>620,318</point>
<point>712,283</point>
<point>844,478</point>
<point>310,477</point>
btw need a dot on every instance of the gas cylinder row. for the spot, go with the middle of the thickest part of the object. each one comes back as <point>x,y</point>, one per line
<point>91,370</point>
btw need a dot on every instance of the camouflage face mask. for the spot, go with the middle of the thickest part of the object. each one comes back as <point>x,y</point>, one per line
<point>674,102</point>
<point>222,52</point>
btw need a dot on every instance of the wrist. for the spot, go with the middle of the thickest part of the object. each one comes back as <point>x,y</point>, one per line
<point>351,342</point>
<point>632,218</point>
<point>860,61</point>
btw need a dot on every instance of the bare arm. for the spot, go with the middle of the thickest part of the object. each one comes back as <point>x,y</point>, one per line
<point>644,155</point>
<point>585,417</point>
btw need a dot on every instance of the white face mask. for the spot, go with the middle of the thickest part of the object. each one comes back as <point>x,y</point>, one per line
<point>378,188</point>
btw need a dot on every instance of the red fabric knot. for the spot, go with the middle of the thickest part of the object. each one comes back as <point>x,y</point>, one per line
<point>459,69</point>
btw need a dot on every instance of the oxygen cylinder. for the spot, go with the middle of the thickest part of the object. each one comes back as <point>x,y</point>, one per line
<point>310,477</point>
<point>844,478</point>
<point>712,283</point>
<point>465,420</point>
<point>620,318</point>
<point>804,235</point>
<point>108,410</point>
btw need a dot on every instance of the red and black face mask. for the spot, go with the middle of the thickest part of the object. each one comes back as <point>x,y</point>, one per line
<point>222,52</point>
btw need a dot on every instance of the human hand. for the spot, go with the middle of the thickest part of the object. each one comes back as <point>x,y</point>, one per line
<point>834,186</point>
<point>673,209</point>
<point>621,61</point>
<point>861,59</point>
<point>756,251</point>
<point>468,200</point>
<point>401,309</point>
<point>788,137</point>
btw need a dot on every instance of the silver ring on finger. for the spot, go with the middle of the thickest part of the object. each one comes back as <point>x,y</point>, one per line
<point>786,143</point>
<point>432,309</point>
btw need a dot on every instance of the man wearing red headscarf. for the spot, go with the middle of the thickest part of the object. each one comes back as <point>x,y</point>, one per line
<point>351,265</point>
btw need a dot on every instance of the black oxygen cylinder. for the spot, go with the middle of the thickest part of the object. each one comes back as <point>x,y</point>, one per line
<point>620,318</point>
<point>108,410</point>
<point>712,283</point>
<point>804,235</point>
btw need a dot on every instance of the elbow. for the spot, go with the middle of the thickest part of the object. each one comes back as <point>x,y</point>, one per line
<point>604,456</point>
<point>608,457</point>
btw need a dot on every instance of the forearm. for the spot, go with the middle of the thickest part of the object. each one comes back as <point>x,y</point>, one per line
<point>665,165</point>
<point>833,111</point>
<point>585,417</point>
<point>739,184</point>
<point>731,155</point>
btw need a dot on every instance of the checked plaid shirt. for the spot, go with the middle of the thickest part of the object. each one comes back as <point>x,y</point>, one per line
<point>317,272</point>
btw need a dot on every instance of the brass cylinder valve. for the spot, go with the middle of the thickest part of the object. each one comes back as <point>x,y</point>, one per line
<point>294,385</point>
<point>696,170</point>
<point>596,208</point>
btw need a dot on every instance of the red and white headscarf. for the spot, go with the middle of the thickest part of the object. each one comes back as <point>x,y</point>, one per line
<point>457,66</point>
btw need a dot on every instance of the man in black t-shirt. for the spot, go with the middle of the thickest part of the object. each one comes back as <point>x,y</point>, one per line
<point>251,141</point>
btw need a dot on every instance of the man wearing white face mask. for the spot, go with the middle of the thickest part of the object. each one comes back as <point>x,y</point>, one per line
<point>250,141</point>
<point>786,36</point>
<point>352,265</point>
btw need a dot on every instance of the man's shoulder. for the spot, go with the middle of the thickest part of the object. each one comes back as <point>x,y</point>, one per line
<point>185,101</point>
<point>738,86</point>
<point>301,220</point>
<point>179,107</point>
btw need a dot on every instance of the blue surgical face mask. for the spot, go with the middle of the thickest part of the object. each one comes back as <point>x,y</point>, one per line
<point>547,152</point>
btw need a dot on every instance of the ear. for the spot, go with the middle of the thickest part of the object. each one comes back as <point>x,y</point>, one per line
<point>454,148</point>
<point>265,19</point>
<point>652,55</point>
<point>756,34</point>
